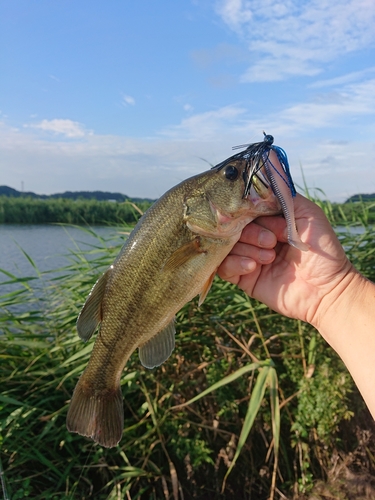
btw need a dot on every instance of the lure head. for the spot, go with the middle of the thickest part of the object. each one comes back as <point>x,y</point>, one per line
<point>268,139</point>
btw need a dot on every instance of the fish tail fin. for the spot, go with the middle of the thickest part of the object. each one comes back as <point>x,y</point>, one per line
<point>97,414</point>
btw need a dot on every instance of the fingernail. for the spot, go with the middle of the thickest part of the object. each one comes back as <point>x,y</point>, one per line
<point>266,238</point>
<point>248,264</point>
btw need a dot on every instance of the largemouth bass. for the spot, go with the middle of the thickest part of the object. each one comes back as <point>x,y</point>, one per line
<point>170,257</point>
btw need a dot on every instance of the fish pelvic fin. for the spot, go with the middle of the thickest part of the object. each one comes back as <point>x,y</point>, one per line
<point>158,349</point>
<point>97,414</point>
<point>91,313</point>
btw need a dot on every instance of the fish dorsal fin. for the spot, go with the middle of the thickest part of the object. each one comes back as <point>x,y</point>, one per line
<point>159,348</point>
<point>91,313</point>
<point>184,254</point>
<point>206,288</point>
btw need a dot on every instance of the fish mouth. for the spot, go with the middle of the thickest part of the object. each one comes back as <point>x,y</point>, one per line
<point>258,189</point>
<point>258,179</point>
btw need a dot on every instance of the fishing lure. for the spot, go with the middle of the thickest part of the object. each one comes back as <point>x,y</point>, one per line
<point>274,161</point>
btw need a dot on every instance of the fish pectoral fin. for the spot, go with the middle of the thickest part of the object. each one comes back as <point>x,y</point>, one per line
<point>91,313</point>
<point>206,288</point>
<point>184,254</point>
<point>159,348</point>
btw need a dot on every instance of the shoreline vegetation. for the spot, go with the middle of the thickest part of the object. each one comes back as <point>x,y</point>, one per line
<point>105,208</point>
<point>251,404</point>
<point>70,207</point>
<point>26,210</point>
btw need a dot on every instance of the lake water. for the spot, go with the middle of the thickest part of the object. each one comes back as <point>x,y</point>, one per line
<point>47,245</point>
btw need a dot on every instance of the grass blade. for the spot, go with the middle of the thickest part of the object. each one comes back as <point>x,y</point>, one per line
<point>224,381</point>
<point>252,410</point>
<point>275,413</point>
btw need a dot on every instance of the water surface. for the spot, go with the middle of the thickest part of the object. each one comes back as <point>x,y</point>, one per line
<point>48,246</point>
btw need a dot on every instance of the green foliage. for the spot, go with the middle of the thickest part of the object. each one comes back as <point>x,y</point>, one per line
<point>27,210</point>
<point>360,213</point>
<point>250,403</point>
<point>354,222</point>
<point>321,402</point>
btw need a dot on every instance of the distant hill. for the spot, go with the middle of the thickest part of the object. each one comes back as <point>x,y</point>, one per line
<point>8,191</point>
<point>361,197</point>
<point>72,195</point>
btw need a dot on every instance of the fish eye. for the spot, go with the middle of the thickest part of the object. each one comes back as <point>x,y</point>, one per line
<point>231,172</point>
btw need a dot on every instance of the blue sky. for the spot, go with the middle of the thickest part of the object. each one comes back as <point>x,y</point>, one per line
<point>135,96</point>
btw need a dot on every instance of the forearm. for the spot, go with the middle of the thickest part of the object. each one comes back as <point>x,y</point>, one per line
<point>348,325</point>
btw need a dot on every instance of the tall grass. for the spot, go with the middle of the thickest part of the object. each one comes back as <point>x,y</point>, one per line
<point>250,404</point>
<point>26,210</point>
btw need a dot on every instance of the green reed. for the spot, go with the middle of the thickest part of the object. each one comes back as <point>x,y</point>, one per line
<point>250,404</point>
<point>26,210</point>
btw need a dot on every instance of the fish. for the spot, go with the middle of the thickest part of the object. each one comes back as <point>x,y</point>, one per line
<point>170,257</point>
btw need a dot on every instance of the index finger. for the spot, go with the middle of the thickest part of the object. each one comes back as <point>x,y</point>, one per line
<point>258,235</point>
<point>276,225</point>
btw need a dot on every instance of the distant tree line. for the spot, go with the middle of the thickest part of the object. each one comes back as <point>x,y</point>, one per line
<point>28,210</point>
<point>72,195</point>
<point>361,197</point>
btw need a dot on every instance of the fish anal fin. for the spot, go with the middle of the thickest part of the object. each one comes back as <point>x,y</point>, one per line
<point>184,254</point>
<point>158,348</point>
<point>97,414</point>
<point>91,313</point>
<point>206,288</point>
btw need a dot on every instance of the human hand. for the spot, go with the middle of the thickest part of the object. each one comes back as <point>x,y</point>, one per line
<point>297,284</point>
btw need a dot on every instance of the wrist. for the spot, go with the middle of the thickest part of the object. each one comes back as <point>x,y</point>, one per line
<point>342,307</point>
<point>348,326</point>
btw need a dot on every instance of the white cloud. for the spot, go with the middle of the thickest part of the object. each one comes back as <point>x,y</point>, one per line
<point>329,111</point>
<point>147,168</point>
<point>336,109</point>
<point>295,37</point>
<point>235,12</point>
<point>128,100</point>
<point>343,79</point>
<point>206,126</point>
<point>65,127</point>
<point>326,134</point>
